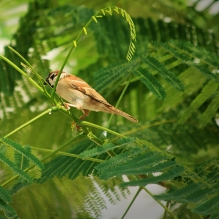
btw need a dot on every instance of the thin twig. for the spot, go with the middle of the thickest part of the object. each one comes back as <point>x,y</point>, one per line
<point>32,120</point>
<point>68,154</point>
<point>165,212</point>
<point>159,202</point>
<point>136,195</point>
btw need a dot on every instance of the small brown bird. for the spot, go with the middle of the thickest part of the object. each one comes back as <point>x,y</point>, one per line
<point>81,95</point>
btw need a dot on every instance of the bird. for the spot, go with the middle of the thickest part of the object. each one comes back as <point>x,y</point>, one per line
<point>81,95</point>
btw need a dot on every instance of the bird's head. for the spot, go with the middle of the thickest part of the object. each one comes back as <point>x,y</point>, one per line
<point>51,78</point>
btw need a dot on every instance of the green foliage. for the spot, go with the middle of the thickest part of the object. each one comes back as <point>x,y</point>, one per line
<point>184,58</point>
<point>4,199</point>
<point>17,170</point>
<point>8,210</point>
<point>150,81</point>
<point>208,90</point>
<point>4,195</point>
<point>22,151</point>
<point>173,91</point>
<point>105,148</point>
<point>62,166</point>
<point>202,197</point>
<point>214,216</point>
<point>106,77</point>
<point>154,64</point>
<point>20,160</point>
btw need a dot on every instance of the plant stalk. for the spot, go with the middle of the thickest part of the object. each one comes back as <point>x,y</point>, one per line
<point>32,120</point>
<point>102,128</point>
<point>136,195</point>
<point>23,73</point>
<point>68,154</point>
<point>159,202</point>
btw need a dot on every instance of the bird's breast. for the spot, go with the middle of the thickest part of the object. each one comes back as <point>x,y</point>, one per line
<point>77,98</point>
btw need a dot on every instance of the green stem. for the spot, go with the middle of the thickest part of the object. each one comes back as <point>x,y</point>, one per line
<point>29,66</point>
<point>10,180</point>
<point>146,127</point>
<point>69,54</point>
<point>67,57</point>
<point>58,149</point>
<point>68,154</point>
<point>102,128</point>
<point>165,212</point>
<point>89,134</point>
<point>119,100</point>
<point>159,202</point>
<point>136,195</point>
<point>23,73</point>
<point>32,120</point>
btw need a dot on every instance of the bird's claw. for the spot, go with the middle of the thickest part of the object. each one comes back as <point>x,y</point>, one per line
<point>74,124</point>
<point>66,105</point>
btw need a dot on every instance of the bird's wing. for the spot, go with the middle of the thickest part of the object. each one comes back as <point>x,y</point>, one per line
<point>82,86</point>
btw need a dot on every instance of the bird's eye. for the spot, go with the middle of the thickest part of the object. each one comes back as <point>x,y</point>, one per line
<point>52,76</point>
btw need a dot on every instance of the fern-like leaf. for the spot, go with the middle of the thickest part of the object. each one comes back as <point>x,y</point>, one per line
<point>174,172</point>
<point>207,91</point>
<point>7,209</point>
<point>114,161</point>
<point>154,64</point>
<point>4,195</point>
<point>171,48</point>
<point>208,207</point>
<point>20,160</point>
<point>98,150</point>
<point>22,151</point>
<point>151,83</point>
<point>35,172</point>
<point>182,193</point>
<point>106,147</point>
<point>202,197</point>
<point>210,111</point>
<point>11,165</point>
<point>107,77</point>
<point>197,52</point>
<point>214,216</point>
<point>62,165</point>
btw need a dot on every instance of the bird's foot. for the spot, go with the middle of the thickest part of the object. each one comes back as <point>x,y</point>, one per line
<point>67,106</point>
<point>74,125</point>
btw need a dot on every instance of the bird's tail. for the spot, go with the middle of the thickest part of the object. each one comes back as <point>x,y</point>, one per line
<point>121,113</point>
